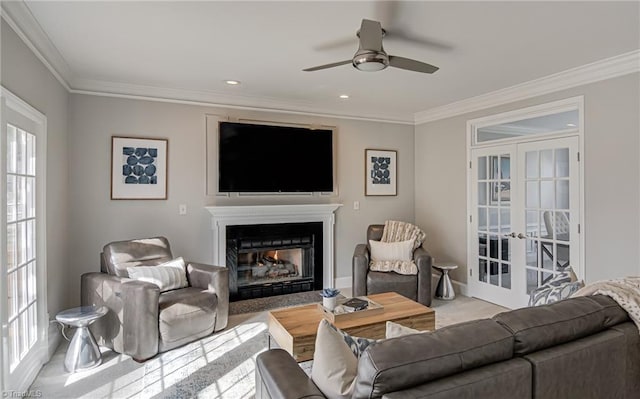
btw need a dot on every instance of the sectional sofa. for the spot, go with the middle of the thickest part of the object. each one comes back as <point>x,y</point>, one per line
<point>583,347</point>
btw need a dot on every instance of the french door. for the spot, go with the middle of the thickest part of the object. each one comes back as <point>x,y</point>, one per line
<point>525,221</point>
<point>23,302</point>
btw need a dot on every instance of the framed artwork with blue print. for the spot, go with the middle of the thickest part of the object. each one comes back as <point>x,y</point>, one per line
<point>138,168</point>
<point>380,172</point>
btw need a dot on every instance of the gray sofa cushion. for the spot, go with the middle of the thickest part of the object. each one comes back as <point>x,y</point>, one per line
<point>405,362</point>
<point>505,380</point>
<point>119,255</point>
<point>592,367</point>
<point>186,312</point>
<point>613,313</point>
<point>379,282</point>
<point>544,326</point>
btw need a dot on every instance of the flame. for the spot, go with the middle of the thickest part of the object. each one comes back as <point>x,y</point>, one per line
<point>276,256</point>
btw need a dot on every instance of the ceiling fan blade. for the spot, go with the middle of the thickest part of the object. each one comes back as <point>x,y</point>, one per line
<point>404,36</point>
<point>370,35</point>
<point>411,65</point>
<point>335,64</point>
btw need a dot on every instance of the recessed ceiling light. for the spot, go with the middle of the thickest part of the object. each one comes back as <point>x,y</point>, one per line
<point>571,124</point>
<point>344,96</point>
<point>232,82</point>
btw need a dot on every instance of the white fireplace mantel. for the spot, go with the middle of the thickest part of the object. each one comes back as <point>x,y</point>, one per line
<point>223,216</point>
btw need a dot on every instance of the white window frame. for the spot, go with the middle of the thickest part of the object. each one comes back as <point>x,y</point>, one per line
<point>9,101</point>
<point>550,108</point>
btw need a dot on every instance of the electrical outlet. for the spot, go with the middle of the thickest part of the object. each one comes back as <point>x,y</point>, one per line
<point>356,205</point>
<point>182,209</point>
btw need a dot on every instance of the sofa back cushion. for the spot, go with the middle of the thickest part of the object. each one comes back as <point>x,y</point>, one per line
<point>544,326</point>
<point>401,363</point>
<point>120,255</point>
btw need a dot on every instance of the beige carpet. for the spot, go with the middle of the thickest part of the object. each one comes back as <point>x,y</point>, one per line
<point>219,366</point>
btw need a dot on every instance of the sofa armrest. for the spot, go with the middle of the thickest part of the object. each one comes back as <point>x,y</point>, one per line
<point>216,280</point>
<point>359,270</point>
<point>131,326</point>
<point>279,376</point>
<point>423,261</point>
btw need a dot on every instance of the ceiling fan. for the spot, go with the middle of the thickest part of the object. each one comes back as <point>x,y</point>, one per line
<point>372,57</point>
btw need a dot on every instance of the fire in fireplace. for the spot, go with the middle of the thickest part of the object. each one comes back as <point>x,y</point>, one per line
<point>274,259</point>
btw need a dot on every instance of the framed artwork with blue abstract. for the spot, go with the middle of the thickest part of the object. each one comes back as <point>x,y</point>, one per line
<point>380,172</point>
<point>138,168</point>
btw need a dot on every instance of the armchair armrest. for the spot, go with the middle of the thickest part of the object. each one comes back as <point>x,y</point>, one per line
<point>359,270</point>
<point>279,376</point>
<point>216,280</point>
<point>423,261</point>
<point>131,326</point>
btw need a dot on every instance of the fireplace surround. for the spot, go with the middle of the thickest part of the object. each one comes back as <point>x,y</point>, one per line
<point>223,217</point>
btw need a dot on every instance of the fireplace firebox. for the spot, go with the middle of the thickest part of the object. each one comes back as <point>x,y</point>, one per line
<point>274,259</point>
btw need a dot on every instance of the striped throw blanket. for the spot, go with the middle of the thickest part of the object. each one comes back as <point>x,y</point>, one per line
<point>395,231</point>
<point>625,291</point>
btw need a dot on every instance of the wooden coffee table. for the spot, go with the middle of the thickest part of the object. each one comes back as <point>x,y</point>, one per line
<point>294,329</point>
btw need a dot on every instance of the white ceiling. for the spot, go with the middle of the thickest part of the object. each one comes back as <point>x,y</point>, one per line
<point>192,47</point>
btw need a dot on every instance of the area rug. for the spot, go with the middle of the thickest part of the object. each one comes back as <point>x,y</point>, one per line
<point>274,302</point>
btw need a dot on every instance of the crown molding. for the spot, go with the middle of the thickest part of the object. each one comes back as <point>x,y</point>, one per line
<point>607,68</point>
<point>220,100</point>
<point>22,21</point>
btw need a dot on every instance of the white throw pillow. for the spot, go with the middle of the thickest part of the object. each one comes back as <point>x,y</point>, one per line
<point>394,330</point>
<point>335,366</point>
<point>167,276</point>
<point>392,251</point>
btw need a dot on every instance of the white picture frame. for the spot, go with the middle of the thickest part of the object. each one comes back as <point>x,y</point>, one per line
<point>138,168</point>
<point>381,177</point>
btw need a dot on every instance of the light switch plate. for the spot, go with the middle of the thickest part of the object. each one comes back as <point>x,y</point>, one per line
<point>356,205</point>
<point>182,209</point>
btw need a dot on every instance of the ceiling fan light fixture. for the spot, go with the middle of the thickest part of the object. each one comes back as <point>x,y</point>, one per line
<point>371,61</point>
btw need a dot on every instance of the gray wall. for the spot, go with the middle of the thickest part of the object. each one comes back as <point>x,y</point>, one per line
<point>25,76</point>
<point>97,220</point>
<point>612,178</point>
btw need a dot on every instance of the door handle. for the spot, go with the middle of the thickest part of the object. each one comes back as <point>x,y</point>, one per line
<point>521,236</point>
<point>512,235</point>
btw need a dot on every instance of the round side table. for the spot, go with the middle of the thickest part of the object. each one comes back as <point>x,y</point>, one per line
<point>83,352</point>
<point>444,289</point>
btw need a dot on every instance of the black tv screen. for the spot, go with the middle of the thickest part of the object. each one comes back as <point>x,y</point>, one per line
<point>266,159</point>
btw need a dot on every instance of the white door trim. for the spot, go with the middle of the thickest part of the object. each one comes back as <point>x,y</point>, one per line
<point>572,103</point>
<point>32,365</point>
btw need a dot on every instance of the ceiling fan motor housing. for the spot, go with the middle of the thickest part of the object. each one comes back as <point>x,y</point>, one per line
<point>370,61</point>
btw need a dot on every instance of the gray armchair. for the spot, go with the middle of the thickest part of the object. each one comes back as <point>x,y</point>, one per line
<point>142,321</point>
<point>365,282</point>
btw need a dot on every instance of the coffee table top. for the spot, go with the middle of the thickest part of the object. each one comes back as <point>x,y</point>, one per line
<point>303,320</point>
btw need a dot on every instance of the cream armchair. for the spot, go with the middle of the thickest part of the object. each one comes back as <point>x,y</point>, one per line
<point>142,321</point>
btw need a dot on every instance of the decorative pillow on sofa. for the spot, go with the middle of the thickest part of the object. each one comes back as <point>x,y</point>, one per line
<point>168,276</point>
<point>335,360</point>
<point>394,330</point>
<point>560,287</point>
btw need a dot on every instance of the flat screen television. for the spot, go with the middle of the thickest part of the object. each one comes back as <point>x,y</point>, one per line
<point>274,159</point>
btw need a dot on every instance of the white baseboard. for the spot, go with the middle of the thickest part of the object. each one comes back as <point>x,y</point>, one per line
<point>342,282</point>
<point>458,287</point>
<point>54,339</point>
